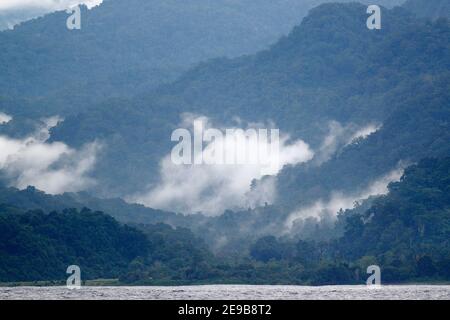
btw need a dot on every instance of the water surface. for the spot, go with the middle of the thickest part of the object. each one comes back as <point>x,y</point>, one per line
<point>230,292</point>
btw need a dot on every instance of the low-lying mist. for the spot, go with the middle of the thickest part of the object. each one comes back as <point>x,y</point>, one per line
<point>51,167</point>
<point>213,188</point>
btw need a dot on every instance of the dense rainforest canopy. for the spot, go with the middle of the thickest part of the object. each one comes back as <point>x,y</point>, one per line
<point>406,233</point>
<point>329,73</point>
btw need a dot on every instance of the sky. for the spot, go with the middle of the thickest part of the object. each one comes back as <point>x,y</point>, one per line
<point>50,5</point>
<point>13,12</point>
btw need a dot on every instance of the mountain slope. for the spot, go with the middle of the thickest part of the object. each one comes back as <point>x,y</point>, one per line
<point>126,47</point>
<point>37,246</point>
<point>429,8</point>
<point>33,199</point>
<point>330,68</point>
<point>405,233</point>
<point>408,230</point>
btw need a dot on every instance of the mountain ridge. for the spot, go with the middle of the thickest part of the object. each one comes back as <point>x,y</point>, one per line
<point>300,90</point>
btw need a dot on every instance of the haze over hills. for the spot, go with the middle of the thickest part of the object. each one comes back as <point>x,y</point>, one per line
<point>9,19</point>
<point>147,42</point>
<point>286,84</point>
<point>66,66</point>
<point>429,9</point>
<point>354,90</point>
<point>405,232</point>
<point>331,77</point>
<point>358,110</point>
<point>14,12</point>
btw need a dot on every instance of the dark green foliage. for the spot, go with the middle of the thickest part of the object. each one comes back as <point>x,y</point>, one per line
<point>425,267</point>
<point>409,229</point>
<point>429,8</point>
<point>415,126</point>
<point>125,47</point>
<point>331,67</point>
<point>266,249</point>
<point>37,246</point>
<point>175,254</point>
<point>32,199</point>
<point>406,233</point>
<point>334,274</point>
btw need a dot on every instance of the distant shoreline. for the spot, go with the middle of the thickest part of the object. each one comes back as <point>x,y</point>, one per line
<point>116,283</point>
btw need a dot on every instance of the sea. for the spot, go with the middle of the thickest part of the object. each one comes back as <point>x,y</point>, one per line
<point>231,292</point>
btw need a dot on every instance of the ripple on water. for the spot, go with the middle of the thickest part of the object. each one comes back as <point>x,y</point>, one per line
<point>230,292</point>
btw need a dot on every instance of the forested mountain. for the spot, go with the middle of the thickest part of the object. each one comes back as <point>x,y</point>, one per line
<point>330,68</point>
<point>33,199</point>
<point>405,232</point>
<point>228,234</point>
<point>126,47</point>
<point>368,104</point>
<point>9,18</point>
<point>429,8</point>
<point>37,246</point>
<point>15,15</point>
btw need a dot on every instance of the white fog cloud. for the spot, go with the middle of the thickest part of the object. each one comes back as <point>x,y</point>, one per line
<point>13,12</point>
<point>364,132</point>
<point>51,167</point>
<point>4,118</point>
<point>340,136</point>
<point>340,200</point>
<point>213,188</point>
<point>49,5</point>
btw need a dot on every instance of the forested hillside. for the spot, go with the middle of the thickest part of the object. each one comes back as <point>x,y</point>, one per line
<point>433,9</point>
<point>370,107</point>
<point>405,232</point>
<point>34,199</point>
<point>126,47</point>
<point>37,246</point>
<point>330,68</point>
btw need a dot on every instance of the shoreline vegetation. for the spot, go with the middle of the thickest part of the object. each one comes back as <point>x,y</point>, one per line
<point>36,246</point>
<point>325,222</point>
